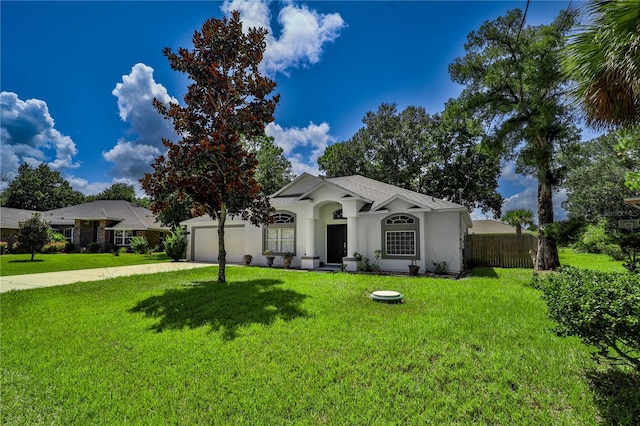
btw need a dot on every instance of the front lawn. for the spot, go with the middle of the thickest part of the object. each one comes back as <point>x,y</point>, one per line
<point>19,264</point>
<point>289,347</point>
<point>597,262</point>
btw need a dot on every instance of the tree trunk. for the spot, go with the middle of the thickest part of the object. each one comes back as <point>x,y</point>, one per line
<point>222,253</point>
<point>547,255</point>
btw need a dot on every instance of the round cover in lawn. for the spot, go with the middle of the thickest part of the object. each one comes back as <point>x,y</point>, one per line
<point>387,296</point>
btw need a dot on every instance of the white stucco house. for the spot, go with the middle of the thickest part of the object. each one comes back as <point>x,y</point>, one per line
<point>326,221</point>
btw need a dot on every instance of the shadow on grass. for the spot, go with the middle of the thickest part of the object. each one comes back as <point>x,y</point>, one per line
<point>483,272</point>
<point>617,394</point>
<point>26,261</point>
<point>224,307</point>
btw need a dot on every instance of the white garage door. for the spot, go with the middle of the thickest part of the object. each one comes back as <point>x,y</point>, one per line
<point>205,243</point>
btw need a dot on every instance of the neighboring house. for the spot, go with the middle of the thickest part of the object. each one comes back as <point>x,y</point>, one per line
<point>106,222</point>
<point>493,227</point>
<point>326,221</point>
<point>10,223</point>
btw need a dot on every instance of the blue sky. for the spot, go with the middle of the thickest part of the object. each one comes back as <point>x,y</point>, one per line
<point>77,78</point>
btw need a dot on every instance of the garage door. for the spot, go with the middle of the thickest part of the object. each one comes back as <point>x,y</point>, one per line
<point>205,243</point>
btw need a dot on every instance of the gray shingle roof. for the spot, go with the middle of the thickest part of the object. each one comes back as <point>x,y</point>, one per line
<point>129,216</point>
<point>380,193</point>
<point>10,218</point>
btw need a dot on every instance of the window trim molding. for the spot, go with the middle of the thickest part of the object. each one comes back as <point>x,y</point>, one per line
<point>281,226</point>
<point>386,227</point>
<point>124,237</point>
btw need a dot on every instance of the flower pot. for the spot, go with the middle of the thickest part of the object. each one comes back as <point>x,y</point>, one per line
<point>270,261</point>
<point>247,259</point>
<point>413,270</point>
<point>287,263</point>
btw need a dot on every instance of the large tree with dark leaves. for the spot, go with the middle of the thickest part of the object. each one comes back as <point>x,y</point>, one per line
<point>40,188</point>
<point>432,154</point>
<point>593,202</point>
<point>227,101</point>
<point>515,86</point>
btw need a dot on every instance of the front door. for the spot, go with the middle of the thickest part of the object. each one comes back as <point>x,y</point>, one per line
<point>336,243</point>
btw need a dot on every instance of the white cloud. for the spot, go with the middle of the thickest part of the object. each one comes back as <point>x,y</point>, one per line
<point>132,156</point>
<point>527,195</point>
<point>313,138</point>
<point>302,36</point>
<point>131,160</point>
<point>28,131</point>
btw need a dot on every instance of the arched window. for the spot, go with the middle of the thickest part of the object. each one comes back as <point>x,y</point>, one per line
<point>280,236</point>
<point>400,237</point>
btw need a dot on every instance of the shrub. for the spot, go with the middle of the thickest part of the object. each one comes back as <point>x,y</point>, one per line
<point>594,236</point>
<point>175,245</point>
<point>56,237</point>
<point>614,251</point>
<point>4,247</point>
<point>440,268</point>
<point>365,265</point>
<point>54,247</point>
<point>139,245</point>
<point>69,247</point>
<point>603,309</point>
<point>566,232</point>
<point>93,247</point>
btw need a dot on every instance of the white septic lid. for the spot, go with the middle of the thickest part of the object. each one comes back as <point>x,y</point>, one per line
<point>386,293</point>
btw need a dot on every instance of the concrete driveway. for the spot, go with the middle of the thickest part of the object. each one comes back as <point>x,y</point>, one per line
<point>49,279</point>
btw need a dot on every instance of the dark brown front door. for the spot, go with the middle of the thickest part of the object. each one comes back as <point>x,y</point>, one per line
<point>336,243</point>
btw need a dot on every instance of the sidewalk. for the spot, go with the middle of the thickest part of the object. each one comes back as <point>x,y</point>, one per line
<point>49,279</point>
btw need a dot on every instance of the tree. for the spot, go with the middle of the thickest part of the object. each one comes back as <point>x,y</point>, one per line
<point>33,234</point>
<point>433,154</point>
<point>628,146</point>
<point>515,86</point>
<point>177,208</point>
<point>40,189</point>
<point>226,104</point>
<point>273,170</point>
<point>117,191</point>
<point>588,201</point>
<point>518,218</point>
<point>603,58</point>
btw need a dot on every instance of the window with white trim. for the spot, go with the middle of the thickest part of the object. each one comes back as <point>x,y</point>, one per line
<point>280,235</point>
<point>68,234</point>
<point>122,237</point>
<point>400,237</point>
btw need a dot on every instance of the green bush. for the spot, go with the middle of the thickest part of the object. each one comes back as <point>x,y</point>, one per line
<point>566,232</point>
<point>614,251</point>
<point>139,245</point>
<point>175,245</point>
<point>4,247</point>
<point>54,247</point>
<point>93,247</point>
<point>593,236</point>
<point>69,247</point>
<point>603,309</point>
<point>365,265</point>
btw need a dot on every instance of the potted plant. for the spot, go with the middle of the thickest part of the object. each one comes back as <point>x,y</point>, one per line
<point>413,268</point>
<point>286,258</point>
<point>269,257</point>
<point>247,259</point>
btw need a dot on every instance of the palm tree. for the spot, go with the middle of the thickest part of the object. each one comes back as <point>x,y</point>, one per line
<point>603,58</point>
<point>518,218</point>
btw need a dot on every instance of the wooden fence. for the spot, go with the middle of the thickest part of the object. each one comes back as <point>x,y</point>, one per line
<point>502,251</point>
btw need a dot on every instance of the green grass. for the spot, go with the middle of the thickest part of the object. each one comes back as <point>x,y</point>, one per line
<point>286,347</point>
<point>598,262</point>
<point>19,264</point>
